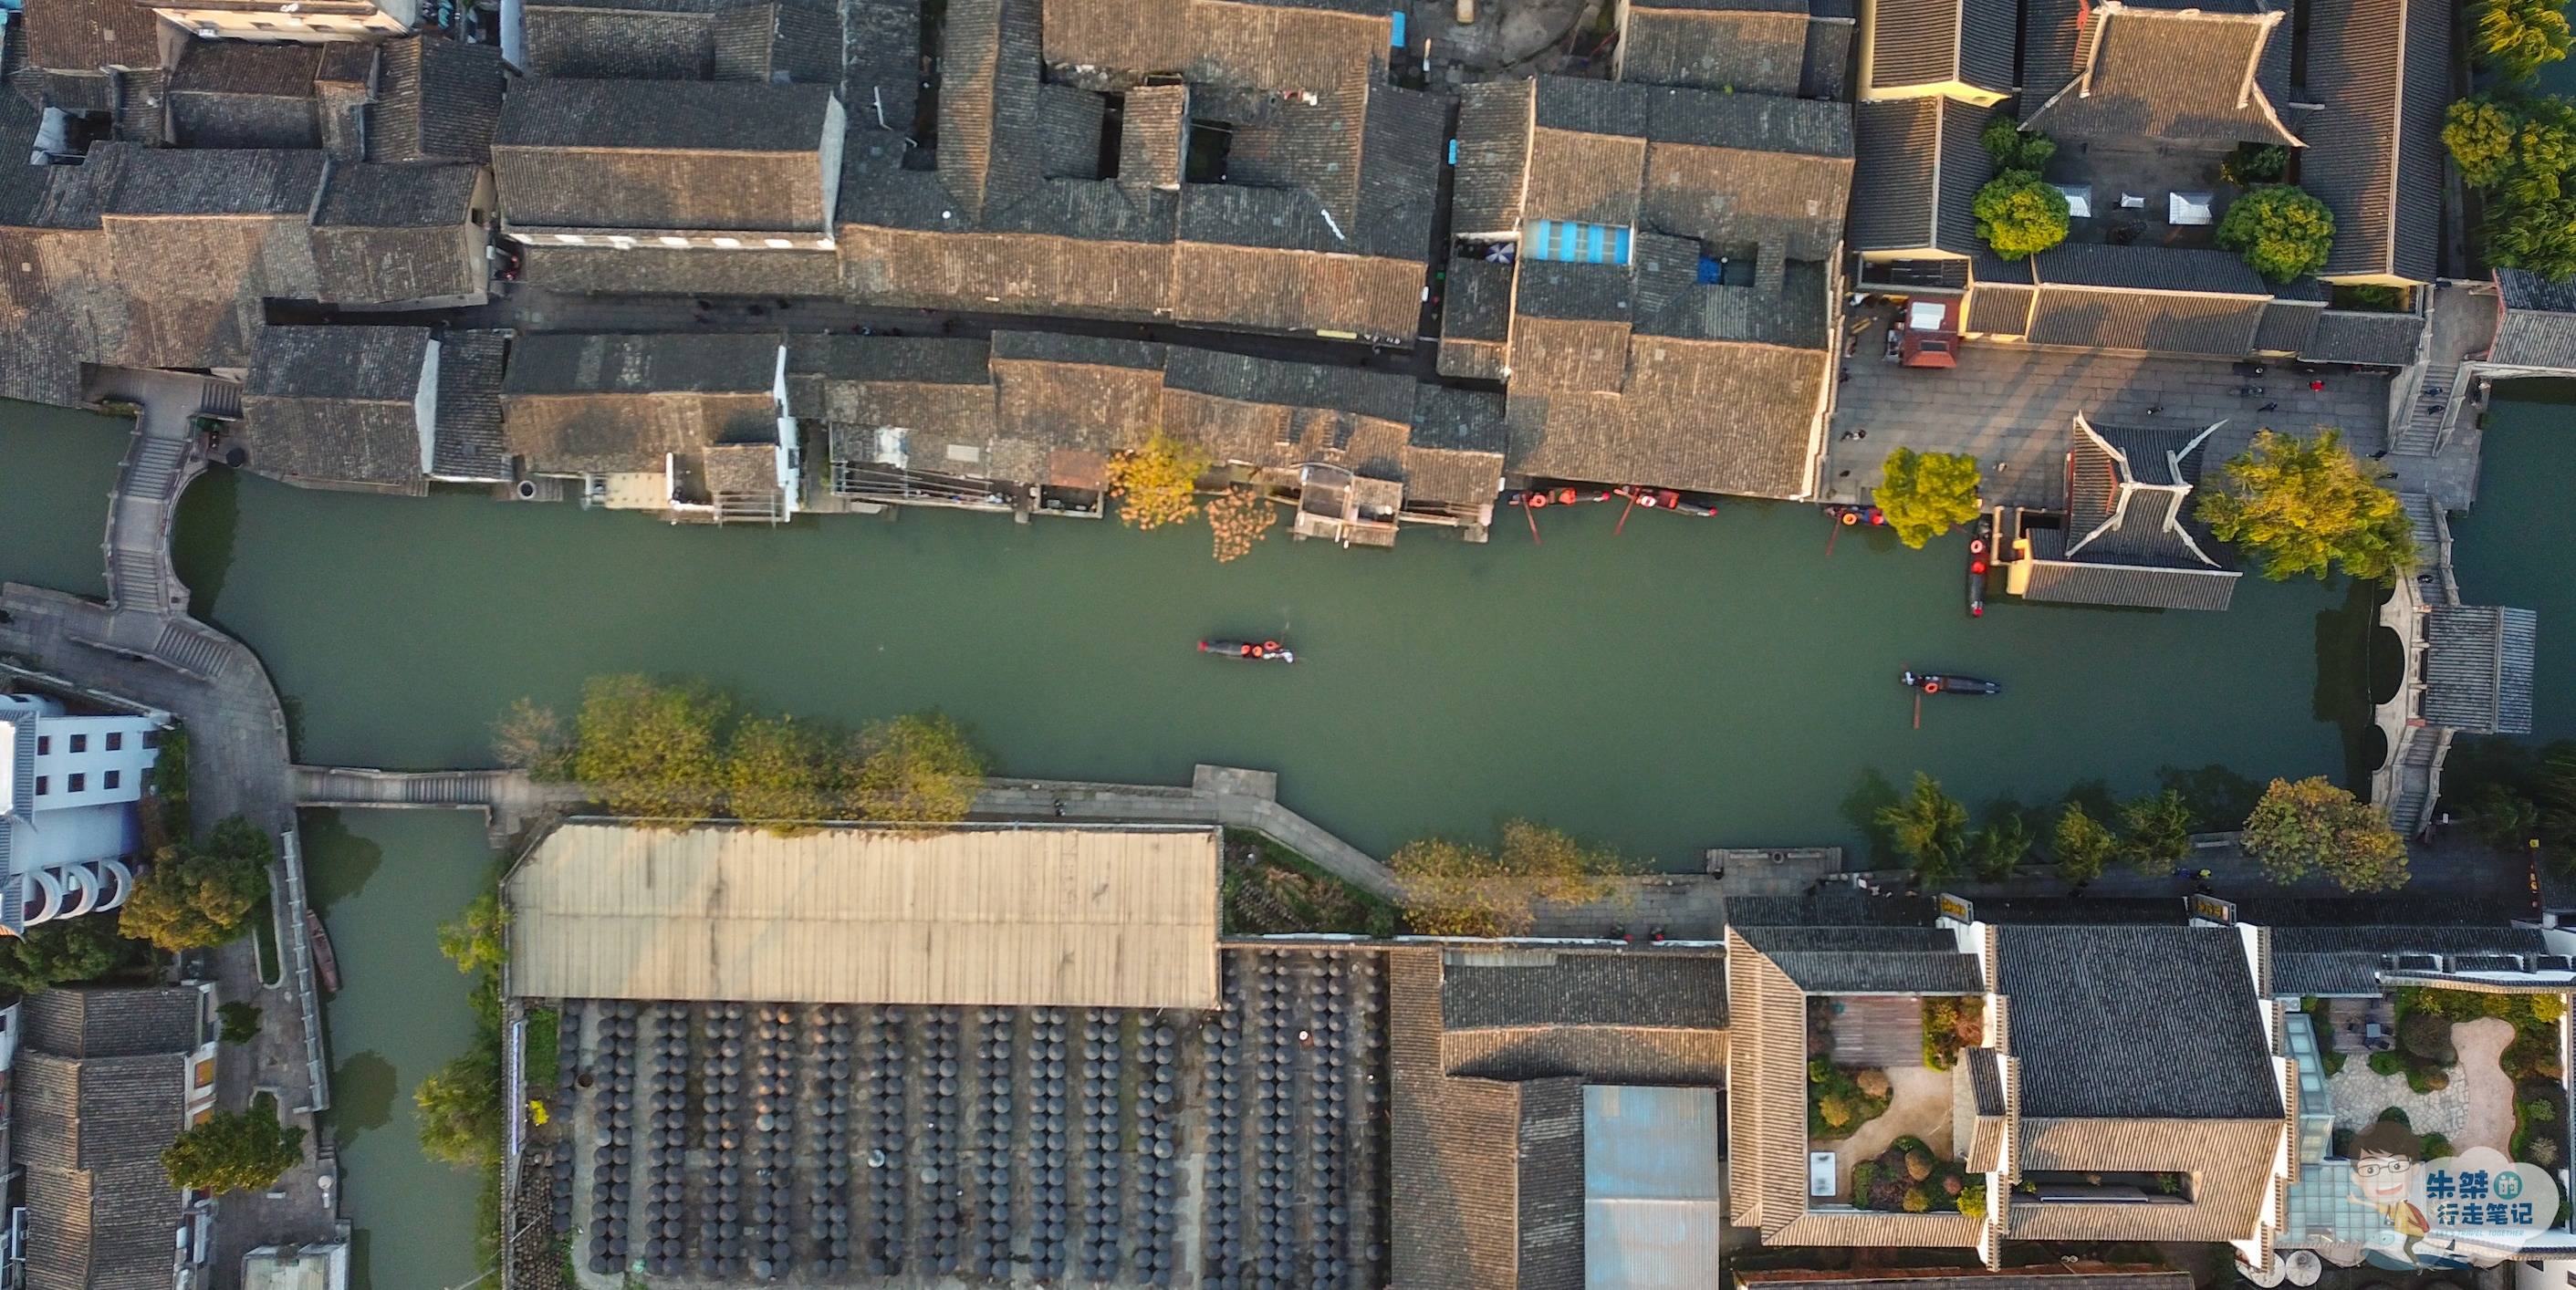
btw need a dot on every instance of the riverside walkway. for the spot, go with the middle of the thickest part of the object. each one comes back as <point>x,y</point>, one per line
<point>143,646</point>
<point>1238,799</point>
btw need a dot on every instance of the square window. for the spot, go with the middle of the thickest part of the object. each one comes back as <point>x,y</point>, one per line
<point>44,744</point>
<point>80,743</point>
<point>79,781</point>
<point>109,781</point>
<point>115,741</point>
<point>44,785</point>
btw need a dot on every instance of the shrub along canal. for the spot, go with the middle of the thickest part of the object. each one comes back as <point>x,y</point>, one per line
<point>1689,682</point>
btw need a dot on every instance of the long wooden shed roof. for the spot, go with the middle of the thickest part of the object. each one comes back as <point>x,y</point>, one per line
<point>1070,917</point>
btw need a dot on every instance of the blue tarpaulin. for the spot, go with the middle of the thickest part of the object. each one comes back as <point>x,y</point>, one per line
<point>1575,243</point>
<point>1396,38</point>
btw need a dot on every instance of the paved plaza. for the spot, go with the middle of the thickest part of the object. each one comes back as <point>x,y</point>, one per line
<point>2009,406</point>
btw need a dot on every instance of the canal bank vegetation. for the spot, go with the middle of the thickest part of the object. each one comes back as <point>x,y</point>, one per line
<point>682,750</point>
<point>231,1151</point>
<point>2308,507</point>
<point>198,895</point>
<point>459,1104</point>
<point>69,950</point>
<point>2517,797</point>
<point>2516,147</point>
<point>2294,830</point>
<point>2315,826</point>
<point>1459,888</point>
<point>1926,494</point>
<point>1269,888</point>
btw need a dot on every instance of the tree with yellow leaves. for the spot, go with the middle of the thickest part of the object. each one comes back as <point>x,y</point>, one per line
<point>1238,518</point>
<point>1157,483</point>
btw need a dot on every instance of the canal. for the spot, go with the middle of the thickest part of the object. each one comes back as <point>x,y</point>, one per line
<point>1683,683</point>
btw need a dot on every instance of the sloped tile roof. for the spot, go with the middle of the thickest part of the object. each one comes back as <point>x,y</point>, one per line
<point>2347,960</point>
<point>1750,47</point>
<point>645,155</point>
<point>467,440</point>
<point>1934,42</point>
<point>2349,336</point>
<point>1918,163</point>
<point>2478,668</point>
<point>2539,326</point>
<point>2185,77</point>
<point>1509,988</point>
<point>2375,153</point>
<point>1868,960</point>
<point>2096,1039</point>
<point>336,404</point>
<point>436,100</point>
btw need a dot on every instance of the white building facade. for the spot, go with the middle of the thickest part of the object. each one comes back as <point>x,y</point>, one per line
<point>69,833</point>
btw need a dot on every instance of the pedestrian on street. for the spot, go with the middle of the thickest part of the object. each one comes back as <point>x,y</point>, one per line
<point>2269,407</point>
<point>2316,387</point>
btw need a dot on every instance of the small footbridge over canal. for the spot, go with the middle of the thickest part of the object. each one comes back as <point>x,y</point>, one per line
<point>2468,670</point>
<point>509,799</point>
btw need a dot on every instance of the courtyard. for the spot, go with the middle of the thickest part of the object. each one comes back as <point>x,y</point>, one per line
<point>2009,406</point>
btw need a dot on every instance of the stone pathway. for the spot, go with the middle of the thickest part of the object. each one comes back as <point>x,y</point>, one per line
<point>2475,1110</point>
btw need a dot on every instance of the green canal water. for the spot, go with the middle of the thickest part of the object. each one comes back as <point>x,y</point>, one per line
<point>1688,682</point>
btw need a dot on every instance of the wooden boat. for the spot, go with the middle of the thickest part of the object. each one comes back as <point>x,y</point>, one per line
<point>325,963</point>
<point>1937,683</point>
<point>1249,651</point>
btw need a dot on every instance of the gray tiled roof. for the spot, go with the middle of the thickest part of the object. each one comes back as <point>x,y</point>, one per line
<point>648,270</point>
<point>646,155</point>
<point>1868,960</point>
<point>1918,165</point>
<point>2176,323</point>
<point>98,1092</point>
<point>2477,668</point>
<point>2375,155</point>
<point>726,40</point>
<point>2347,960</point>
<point>364,195</point>
<point>676,363</point>
<point>2170,77</point>
<point>190,181</point>
<point>2113,1022</point>
<point>336,404</point>
<point>2348,336</point>
<point>882,61</point>
<point>2050,1277</point>
<point>233,94</point>
<point>437,100</point>
<point>1512,988</point>
<point>1486,1176</point>
<point>86,35</point>
<point>2287,325</point>
<point>2129,586</point>
<point>467,440</point>
<point>2147,523</point>
<point>1750,47</point>
<point>1934,42</point>
<point>2148,268</point>
<point>2539,326</point>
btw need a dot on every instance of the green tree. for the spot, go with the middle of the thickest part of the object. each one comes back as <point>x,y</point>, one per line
<point>1998,846</point>
<point>2304,505</point>
<point>2502,818</point>
<point>651,748</point>
<point>193,897</point>
<point>2516,147</point>
<point>476,940</point>
<point>2014,148</point>
<point>2082,845</point>
<point>2315,826</point>
<point>2158,831</point>
<point>460,1108</point>
<point>240,1021</point>
<point>2283,230</point>
<point>2516,37</point>
<point>2256,163</point>
<point>1928,828</point>
<point>778,773</point>
<point>2019,216</point>
<point>1927,494</point>
<point>235,1151</point>
<point>2535,235</point>
<point>1455,888</point>
<point>919,768</point>
<point>65,950</point>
